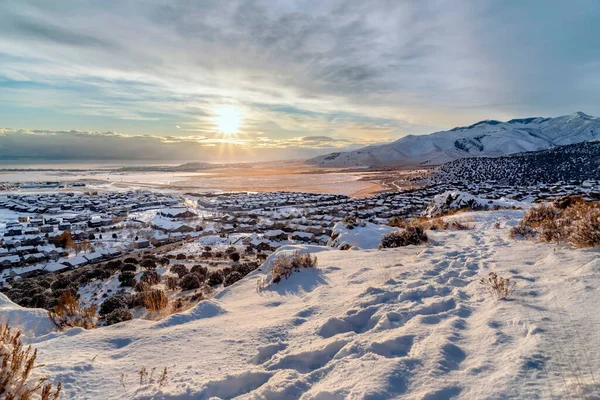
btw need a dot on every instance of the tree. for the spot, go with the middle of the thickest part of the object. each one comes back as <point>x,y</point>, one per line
<point>235,257</point>
<point>114,236</point>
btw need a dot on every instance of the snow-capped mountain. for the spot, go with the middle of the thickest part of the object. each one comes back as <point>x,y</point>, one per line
<point>488,138</point>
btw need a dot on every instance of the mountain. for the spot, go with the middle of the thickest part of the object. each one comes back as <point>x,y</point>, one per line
<point>488,138</point>
<point>580,161</point>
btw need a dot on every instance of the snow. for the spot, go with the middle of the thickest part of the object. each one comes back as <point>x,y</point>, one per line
<point>455,200</point>
<point>410,322</point>
<point>32,321</point>
<point>363,237</point>
<point>486,138</point>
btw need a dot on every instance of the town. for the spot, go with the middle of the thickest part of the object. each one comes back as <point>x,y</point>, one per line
<point>52,231</point>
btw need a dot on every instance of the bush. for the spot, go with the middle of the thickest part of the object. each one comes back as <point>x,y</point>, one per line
<point>130,260</point>
<point>164,261</point>
<point>68,313</point>
<point>180,256</point>
<point>497,285</point>
<point>128,268</point>
<point>118,315</point>
<point>148,264</point>
<point>215,278</point>
<point>179,269</point>
<point>113,265</point>
<point>350,221</point>
<point>172,283</point>
<point>245,268</point>
<point>235,256</point>
<point>284,266</point>
<point>62,282</point>
<point>155,300</point>
<point>232,278</point>
<point>522,231</point>
<point>201,271</point>
<point>412,235</point>
<point>586,229</point>
<point>17,364</point>
<point>127,279</point>
<point>190,281</point>
<point>570,219</point>
<point>150,278</point>
<point>113,303</point>
<point>230,250</point>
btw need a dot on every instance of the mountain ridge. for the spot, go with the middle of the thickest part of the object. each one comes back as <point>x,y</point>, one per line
<point>487,138</point>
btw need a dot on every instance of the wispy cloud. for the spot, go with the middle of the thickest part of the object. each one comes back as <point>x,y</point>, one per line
<point>348,70</point>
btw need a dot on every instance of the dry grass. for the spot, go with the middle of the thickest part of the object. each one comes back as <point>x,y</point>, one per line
<point>428,224</point>
<point>497,285</point>
<point>16,382</point>
<point>155,300</point>
<point>68,313</point>
<point>412,235</point>
<point>284,266</point>
<point>572,220</point>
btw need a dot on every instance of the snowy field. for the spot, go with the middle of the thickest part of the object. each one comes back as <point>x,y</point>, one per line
<point>411,322</point>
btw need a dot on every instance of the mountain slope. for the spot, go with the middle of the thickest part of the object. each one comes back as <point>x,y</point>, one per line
<point>484,139</point>
<point>580,161</point>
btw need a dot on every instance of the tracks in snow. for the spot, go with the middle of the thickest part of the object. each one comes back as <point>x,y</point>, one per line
<point>412,325</point>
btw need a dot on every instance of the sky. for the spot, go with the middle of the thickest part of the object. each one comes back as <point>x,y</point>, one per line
<point>245,80</point>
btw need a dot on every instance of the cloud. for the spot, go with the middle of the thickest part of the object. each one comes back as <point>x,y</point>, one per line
<point>348,70</point>
<point>86,145</point>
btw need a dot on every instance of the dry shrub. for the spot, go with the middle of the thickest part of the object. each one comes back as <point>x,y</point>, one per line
<point>155,300</point>
<point>498,286</point>
<point>412,235</point>
<point>68,313</point>
<point>536,216</point>
<point>571,219</point>
<point>425,223</point>
<point>17,364</point>
<point>284,266</point>
<point>585,229</point>
<point>522,231</point>
<point>172,283</point>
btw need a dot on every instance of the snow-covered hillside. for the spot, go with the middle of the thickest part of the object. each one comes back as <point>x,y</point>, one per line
<point>580,161</point>
<point>411,322</point>
<point>486,138</point>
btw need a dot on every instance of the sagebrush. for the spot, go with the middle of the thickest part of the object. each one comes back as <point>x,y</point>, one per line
<point>16,382</point>
<point>572,220</point>
<point>497,285</point>
<point>68,313</point>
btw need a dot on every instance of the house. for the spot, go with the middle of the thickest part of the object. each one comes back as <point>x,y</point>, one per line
<point>141,244</point>
<point>110,253</point>
<point>15,231</point>
<point>262,245</point>
<point>74,262</point>
<point>159,239</point>
<point>9,261</point>
<point>303,236</point>
<point>47,228</point>
<point>276,234</point>
<point>94,257</point>
<point>34,258</point>
<point>56,267</point>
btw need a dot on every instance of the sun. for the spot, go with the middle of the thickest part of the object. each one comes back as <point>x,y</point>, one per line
<point>228,120</point>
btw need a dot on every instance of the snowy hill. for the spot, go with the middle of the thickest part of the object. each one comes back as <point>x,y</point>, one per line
<point>579,162</point>
<point>411,322</point>
<point>484,139</point>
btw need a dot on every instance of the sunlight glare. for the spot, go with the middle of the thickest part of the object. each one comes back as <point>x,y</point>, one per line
<point>228,120</point>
